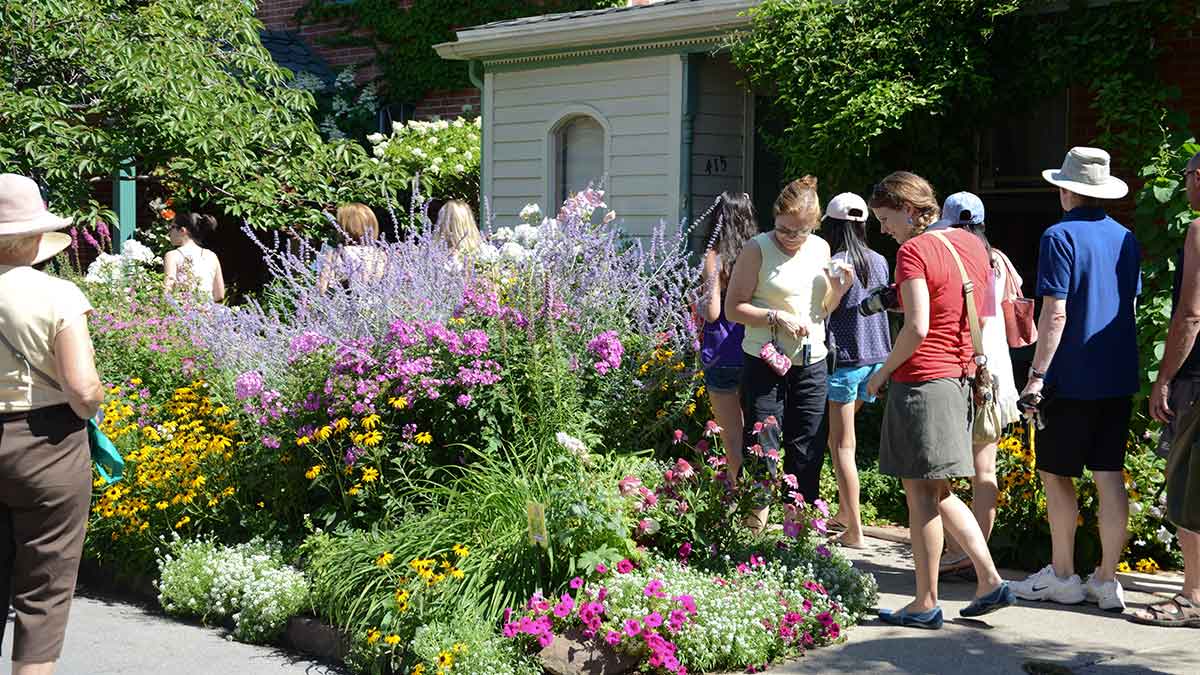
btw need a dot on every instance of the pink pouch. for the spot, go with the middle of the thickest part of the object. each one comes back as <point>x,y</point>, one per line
<point>778,362</point>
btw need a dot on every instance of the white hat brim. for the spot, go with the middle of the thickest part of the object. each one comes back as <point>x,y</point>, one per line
<point>46,222</point>
<point>1113,188</point>
<point>51,245</point>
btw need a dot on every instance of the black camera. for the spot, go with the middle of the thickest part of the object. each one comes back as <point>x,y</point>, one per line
<point>879,299</point>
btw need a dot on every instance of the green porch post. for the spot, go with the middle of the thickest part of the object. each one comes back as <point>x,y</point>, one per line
<point>125,204</point>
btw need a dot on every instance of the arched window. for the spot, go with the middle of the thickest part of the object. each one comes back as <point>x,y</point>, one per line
<point>578,155</point>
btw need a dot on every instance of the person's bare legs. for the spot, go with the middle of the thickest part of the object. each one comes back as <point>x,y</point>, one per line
<point>1062,511</point>
<point>984,493</point>
<point>1114,521</point>
<point>727,408</point>
<point>1189,542</point>
<point>960,523</point>
<point>842,444</point>
<point>925,529</point>
<point>21,668</point>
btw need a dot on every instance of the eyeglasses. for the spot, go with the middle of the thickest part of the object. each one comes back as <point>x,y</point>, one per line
<point>1183,175</point>
<point>792,234</point>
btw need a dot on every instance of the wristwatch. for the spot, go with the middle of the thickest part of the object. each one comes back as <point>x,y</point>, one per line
<point>1035,375</point>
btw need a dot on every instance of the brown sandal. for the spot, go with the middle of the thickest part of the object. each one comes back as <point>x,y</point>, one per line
<point>1178,612</point>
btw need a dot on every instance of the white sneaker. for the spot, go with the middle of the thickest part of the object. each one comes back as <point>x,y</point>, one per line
<point>1046,585</point>
<point>1107,594</point>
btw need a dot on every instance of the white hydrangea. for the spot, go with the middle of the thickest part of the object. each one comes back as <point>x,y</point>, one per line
<point>488,253</point>
<point>459,168</point>
<point>134,250</point>
<point>457,123</point>
<point>417,152</point>
<point>514,252</point>
<point>526,235</point>
<point>380,150</point>
<point>531,212</point>
<point>503,234</point>
<point>375,138</point>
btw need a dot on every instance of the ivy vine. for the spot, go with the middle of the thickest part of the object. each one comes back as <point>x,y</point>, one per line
<point>404,38</point>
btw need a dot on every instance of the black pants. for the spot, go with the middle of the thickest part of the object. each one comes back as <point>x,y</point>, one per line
<point>797,402</point>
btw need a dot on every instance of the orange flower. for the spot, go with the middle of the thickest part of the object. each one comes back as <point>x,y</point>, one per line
<point>168,214</point>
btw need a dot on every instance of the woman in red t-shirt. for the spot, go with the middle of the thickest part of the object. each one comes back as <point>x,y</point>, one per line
<point>926,436</point>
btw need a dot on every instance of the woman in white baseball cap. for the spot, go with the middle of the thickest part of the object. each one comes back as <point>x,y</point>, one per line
<point>863,344</point>
<point>48,388</point>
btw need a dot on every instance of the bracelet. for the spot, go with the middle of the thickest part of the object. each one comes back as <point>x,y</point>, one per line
<point>770,317</point>
<point>1036,375</point>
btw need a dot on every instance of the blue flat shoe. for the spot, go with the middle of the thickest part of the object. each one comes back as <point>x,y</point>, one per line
<point>931,620</point>
<point>998,599</point>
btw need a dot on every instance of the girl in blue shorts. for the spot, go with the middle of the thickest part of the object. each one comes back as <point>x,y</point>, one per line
<point>863,344</point>
<point>730,226</point>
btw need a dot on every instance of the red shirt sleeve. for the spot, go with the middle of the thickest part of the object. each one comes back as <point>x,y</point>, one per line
<point>909,263</point>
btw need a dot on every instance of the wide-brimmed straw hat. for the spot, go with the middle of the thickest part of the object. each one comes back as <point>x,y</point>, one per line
<point>1086,171</point>
<point>23,213</point>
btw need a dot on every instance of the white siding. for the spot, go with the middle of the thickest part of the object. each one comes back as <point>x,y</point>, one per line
<point>639,103</point>
<point>718,140</point>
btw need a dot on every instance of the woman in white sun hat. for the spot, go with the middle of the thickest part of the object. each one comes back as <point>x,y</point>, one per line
<point>48,388</point>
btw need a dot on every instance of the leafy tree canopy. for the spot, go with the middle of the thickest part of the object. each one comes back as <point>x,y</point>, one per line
<point>185,89</point>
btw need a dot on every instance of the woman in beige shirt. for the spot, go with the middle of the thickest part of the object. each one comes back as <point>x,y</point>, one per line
<point>48,387</point>
<point>782,291</point>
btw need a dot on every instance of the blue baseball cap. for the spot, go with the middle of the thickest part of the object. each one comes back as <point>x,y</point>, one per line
<point>961,208</point>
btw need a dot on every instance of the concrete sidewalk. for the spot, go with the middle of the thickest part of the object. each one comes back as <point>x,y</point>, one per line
<point>1029,638</point>
<point>111,636</point>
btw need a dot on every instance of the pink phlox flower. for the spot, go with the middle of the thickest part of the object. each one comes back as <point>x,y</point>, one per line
<point>632,627</point>
<point>653,620</point>
<point>625,566</point>
<point>654,589</point>
<point>564,607</point>
<point>613,637</point>
<point>601,568</point>
<point>576,583</point>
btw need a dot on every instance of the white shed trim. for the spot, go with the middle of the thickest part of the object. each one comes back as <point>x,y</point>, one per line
<point>646,24</point>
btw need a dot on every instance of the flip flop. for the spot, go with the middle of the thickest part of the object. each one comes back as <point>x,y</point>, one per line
<point>958,565</point>
<point>834,526</point>
<point>836,538</point>
<point>1178,612</point>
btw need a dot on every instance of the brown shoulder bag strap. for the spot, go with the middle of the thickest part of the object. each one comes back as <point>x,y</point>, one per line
<point>969,294</point>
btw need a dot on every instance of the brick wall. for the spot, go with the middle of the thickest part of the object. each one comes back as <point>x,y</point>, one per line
<point>281,15</point>
<point>448,104</point>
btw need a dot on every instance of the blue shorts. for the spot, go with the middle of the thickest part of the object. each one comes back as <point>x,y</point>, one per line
<point>847,385</point>
<point>723,378</point>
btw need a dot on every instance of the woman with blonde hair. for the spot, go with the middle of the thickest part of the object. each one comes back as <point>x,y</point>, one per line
<point>781,289</point>
<point>926,435</point>
<point>48,388</point>
<point>456,226</point>
<point>359,257</point>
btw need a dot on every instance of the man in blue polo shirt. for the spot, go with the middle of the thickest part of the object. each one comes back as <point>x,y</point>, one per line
<point>1087,362</point>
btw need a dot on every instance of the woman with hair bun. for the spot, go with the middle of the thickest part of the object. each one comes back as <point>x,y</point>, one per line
<point>730,225</point>
<point>781,290</point>
<point>926,435</point>
<point>190,265</point>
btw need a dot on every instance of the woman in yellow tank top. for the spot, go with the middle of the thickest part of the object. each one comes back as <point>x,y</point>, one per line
<point>782,289</point>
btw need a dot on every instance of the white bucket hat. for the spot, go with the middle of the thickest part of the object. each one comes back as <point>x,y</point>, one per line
<point>22,213</point>
<point>1085,171</point>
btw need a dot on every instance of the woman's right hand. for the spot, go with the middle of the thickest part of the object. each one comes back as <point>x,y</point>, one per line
<point>791,324</point>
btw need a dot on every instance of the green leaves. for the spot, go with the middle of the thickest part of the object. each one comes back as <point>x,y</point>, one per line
<point>185,88</point>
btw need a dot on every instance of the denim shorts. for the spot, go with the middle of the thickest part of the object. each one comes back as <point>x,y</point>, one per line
<point>847,385</point>
<point>723,379</point>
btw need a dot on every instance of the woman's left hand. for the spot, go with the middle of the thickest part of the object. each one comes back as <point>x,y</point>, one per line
<point>878,382</point>
<point>844,276</point>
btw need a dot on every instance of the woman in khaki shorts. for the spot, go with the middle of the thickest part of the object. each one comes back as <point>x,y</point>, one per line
<point>45,466</point>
